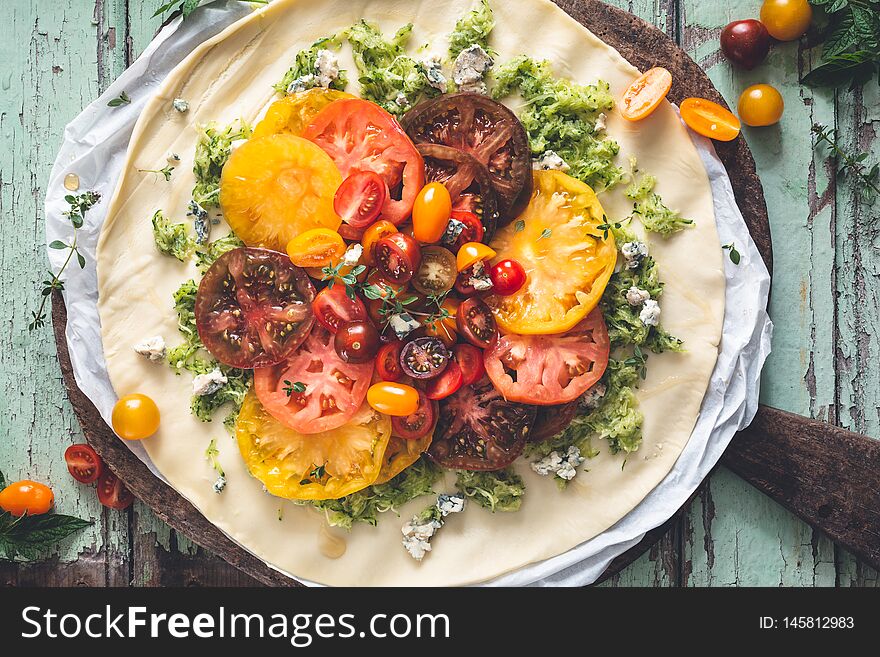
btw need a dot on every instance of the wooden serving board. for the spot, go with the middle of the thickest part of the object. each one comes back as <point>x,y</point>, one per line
<point>639,42</point>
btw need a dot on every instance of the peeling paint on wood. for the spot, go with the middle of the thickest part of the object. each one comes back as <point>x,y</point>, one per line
<point>827,267</point>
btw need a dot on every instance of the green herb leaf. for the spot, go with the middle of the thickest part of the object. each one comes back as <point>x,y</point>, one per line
<point>290,388</point>
<point>57,244</point>
<point>545,234</point>
<point>120,100</point>
<point>519,226</point>
<point>732,253</point>
<point>31,536</point>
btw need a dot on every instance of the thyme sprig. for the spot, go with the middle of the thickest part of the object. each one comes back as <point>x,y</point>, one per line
<point>333,273</point>
<point>186,7</point>
<point>294,386</point>
<point>735,256</point>
<point>165,173</point>
<point>120,100</point>
<point>79,205</point>
<point>866,176</point>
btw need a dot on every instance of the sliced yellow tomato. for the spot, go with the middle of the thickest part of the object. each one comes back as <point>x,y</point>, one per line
<point>401,454</point>
<point>293,113</point>
<point>568,258</point>
<point>317,466</point>
<point>318,247</point>
<point>274,188</point>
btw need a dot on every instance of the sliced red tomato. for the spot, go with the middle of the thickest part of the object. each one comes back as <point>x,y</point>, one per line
<point>388,361</point>
<point>360,198</point>
<point>418,424</point>
<point>83,463</point>
<point>472,231</point>
<point>333,308</point>
<point>254,308</point>
<point>548,370</point>
<point>333,389</point>
<point>448,383</point>
<point>112,493</point>
<point>470,360</point>
<point>360,136</point>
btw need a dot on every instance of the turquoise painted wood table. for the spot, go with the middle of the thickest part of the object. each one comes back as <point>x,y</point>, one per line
<point>60,54</point>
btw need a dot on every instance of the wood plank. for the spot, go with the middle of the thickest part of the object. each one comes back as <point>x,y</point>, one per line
<point>735,535</point>
<point>52,71</point>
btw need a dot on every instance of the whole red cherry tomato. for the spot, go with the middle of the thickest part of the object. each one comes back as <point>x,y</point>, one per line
<point>745,43</point>
<point>508,276</point>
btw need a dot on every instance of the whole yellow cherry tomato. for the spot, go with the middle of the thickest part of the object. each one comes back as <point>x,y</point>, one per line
<point>372,235</point>
<point>393,398</point>
<point>710,119</point>
<point>761,105</point>
<point>431,213</point>
<point>472,252</point>
<point>135,417</point>
<point>317,247</point>
<point>28,497</point>
<point>786,20</point>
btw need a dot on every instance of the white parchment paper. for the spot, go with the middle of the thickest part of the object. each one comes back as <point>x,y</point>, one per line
<point>94,148</point>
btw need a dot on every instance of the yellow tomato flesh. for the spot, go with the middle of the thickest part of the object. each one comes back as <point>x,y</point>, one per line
<point>431,213</point>
<point>710,119</point>
<point>645,94</point>
<point>471,253</point>
<point>567,258</point>
<point>293,113</point>
<point>318,247</point>
<point>135,417</point>
<point>786,20</point>
<point>373,234</point>
<point>401,454</point>
<point>26,496</point>
<point>761,105</point>
<point>317,466</point>
<point>395,399</point>
<point>274,188</point>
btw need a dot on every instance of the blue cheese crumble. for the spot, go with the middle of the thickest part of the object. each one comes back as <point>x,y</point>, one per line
<point>636,296</point>
<point>434,74</point>
<point>563,466</point>
<point>201,224</point>
<point>180,105</point>
<point>634,253</point>
<point>153,349</point>
<point>650,315</point>
<point>418,532</point>
<point>403,324</point>
<point>326,72</point>
<point>550,161</point>
<point>208,384</point>
<point>470,68</point>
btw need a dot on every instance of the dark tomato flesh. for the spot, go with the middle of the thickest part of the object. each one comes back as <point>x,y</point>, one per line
<point>397,257</point>
<point>83,463</point>
<point>448,383</point>
<point>424,358</point>
<point>476,323</point>
<point>478,429</point>
<point>388,361</point>
<point>333,308</point>
<point>112,493</point>
<point>254,308</point>
<point>360,198</point>
<point>418,424</point>
<point>437,271</point>
<point>552,420</point>
<point>470,360</point>
<point>357,342</point>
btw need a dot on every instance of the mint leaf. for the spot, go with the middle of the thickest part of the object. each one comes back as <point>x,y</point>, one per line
<point>31,536</point>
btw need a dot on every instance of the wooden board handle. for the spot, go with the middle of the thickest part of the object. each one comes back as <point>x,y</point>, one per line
<point>828,476</point>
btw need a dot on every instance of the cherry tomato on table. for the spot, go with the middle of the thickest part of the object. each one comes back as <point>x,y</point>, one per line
<point>645,94</point>
<point>26,496</point>
<point>388,361</point>
<point>360,198</point>
<point>357,342</point>
<point>333,307</point>
<point>318,247</point>
<point>112,493</point>
<point>397,257</point>
<point>372,235</point>
<point>786,20</point>
<point>745,43</point>
<point>507,276</point>
<point>83,463</point>
<point>395,399</point>
<point>431,213</point>
<point>710,119</point>
<point>760,105</point>
<point>417,424</point>
<point>135,417</point>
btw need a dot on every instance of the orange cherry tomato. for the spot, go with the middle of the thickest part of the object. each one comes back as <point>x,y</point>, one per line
<point>710,119</point>
<point>431,213</point>
<point>471,253</point>
<point>645,94</point>
<point>372,235</point>
<point>445,329</point>
<point>28,497</point>
<point>761,105</point>
<point>317,247</point>
<point>135,417</point>
<point>786,20</point>
<point>394,399</point>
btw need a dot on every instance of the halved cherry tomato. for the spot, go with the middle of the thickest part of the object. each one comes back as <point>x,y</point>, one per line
<point>135,417</point>
<point>645,94</point>
<point>360,198</point>
<point>397,257</point>
<point>112,493</point>
<point>357,342</point>
<point>318,247</point>
<point>372,235</point>
<point>436,273</point>
<point>446,384</point>
<point>418,424</point>
<point>473,230</point>
<point>508,276</point>
<point>431,213</point>
<point>395,399</point>
<point>83,463</point>
<point>444,328</point>
<point>471,253</point>
<point>388,361</point>
<point>333,307</point>
<point>470,360</point>
<point>761,105</point>
<point>30,497</point>
<point>476,324</point>
<point>710,119</point>
<point>787,20</point>
<point>360,136</point>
